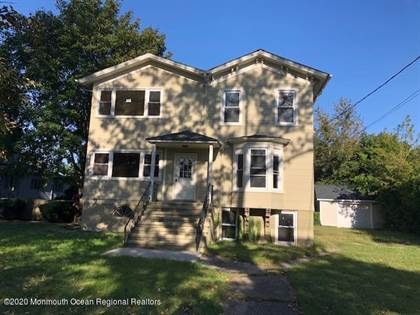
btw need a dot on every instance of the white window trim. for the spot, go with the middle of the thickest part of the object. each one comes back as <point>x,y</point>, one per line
<point>230,224</point>
<point>271,150</point>
<point>146,103</point>
<point>295,227</point>
<point>277,103</point>
<point>222,111</point>
<point>110,166</point>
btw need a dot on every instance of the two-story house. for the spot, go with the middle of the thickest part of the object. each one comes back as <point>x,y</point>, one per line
<point>233,145</point>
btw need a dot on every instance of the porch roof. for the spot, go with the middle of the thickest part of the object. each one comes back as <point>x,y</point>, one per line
<point>185,136</point>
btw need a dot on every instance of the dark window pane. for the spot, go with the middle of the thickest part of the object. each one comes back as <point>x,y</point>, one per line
<point>231,115</point>
<point>147,159</point>
<point>156,174</point>
<point>229,232</point>
<point>100,169</point>
<point>129,103</point>
<point>232,99</point>
<point>257,181</point>
<point>154,109</point>
<point>286,114</point>
<point>105,103</point>
<point>275,181</point>
<point>126,165</point>
<point>146,170</point>
<point>154,96</point>
<point>240,160</point>
<point>286,219</point>
<point>239,178</point>
<point>286,234</point>
<point>101,157</point>
<point>229,217</point>
<point>276,163</point>
<point>286,98</point>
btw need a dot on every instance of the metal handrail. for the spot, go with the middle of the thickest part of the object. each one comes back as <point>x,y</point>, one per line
<point>137,212</point>
<point>203,215</point>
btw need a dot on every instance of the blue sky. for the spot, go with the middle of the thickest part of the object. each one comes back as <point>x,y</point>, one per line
<point>361,43</point>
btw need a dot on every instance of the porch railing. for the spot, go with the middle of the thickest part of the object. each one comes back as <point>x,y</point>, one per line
<point>203,215</point>
<point>137,212</point>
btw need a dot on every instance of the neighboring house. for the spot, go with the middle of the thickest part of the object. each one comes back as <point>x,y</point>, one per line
<point>239,136</point>
<point>30,187</point>
<point>342,207</point>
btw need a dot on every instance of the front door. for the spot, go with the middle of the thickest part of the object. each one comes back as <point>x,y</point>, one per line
<point>184,177</point>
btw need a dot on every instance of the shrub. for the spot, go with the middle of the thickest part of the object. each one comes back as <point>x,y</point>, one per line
<point>58,211</point>
<point>11,209</point>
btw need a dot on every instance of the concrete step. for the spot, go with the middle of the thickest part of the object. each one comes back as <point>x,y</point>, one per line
<point>162,242</point>
<point>164,231</point>
<point>169,218</point>
<point>175,205</point>
<point>170,246</point>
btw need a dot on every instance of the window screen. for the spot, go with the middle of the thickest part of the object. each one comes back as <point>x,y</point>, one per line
<point>286,229</point>
<point>239,170</point>
<point>286,110</point>
<point>147,164</point>
<point>154,103</point>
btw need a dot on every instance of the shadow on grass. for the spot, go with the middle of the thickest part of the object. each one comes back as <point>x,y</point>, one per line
<point>392,237</point>
<point>49,261</point>
<point>340,285</point>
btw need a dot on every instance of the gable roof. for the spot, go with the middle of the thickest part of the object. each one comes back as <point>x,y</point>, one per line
<point>183,136</point>
<point>320,77</point>
<point>336,192</point>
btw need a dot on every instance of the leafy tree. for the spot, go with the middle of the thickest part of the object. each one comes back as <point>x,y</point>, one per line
<point>52,51</point>
<point>336,143</point>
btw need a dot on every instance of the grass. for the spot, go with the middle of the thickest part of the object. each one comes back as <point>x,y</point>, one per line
<point>368,272</point>
<point>266,256</point>
<point>52,261</point>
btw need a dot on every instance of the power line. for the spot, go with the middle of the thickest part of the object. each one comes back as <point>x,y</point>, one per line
<point>394,108</point>
<point>376,89</point>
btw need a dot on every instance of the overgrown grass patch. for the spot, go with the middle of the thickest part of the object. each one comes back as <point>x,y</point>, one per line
<point>52,261</point>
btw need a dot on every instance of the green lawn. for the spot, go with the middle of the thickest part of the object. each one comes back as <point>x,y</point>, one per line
<point>267,256</point>
<point>369,272</point>
<point>53,261</point>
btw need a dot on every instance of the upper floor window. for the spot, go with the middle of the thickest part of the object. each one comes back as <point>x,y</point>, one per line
<point>129,103</point>
<point>231,110</point>
<point>120,102</point>
<point>286,109</point>
<point>105,103</point>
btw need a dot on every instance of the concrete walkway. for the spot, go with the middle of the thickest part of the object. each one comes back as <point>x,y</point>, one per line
<point>252,290</point>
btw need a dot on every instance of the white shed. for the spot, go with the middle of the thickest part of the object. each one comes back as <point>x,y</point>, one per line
<point>341,207</point>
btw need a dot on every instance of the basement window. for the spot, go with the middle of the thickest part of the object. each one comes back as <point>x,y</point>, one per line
<point>229,224</point>
<point>287,227</point>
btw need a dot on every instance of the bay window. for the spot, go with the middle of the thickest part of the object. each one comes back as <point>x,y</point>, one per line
<point>239,170</point>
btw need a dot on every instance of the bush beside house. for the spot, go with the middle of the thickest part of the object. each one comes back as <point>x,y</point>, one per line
<point>12,209</point>
<point>58,211</point>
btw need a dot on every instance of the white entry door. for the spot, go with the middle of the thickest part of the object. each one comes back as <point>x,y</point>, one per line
<point>184,177</point>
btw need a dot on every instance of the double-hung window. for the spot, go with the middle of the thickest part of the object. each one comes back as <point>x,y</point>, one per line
<point>147,165</point>
<point>132,103</point>
<point>229,223</point>
<point>231,111</point>
<point>287,227</point>
<point>105,103</point>
<point>100,164</point>
<point>286,110</point>
<point>258,168</point>
<point>276,171</point>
